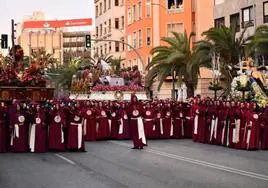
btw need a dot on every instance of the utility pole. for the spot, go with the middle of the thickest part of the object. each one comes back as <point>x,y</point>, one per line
<point>13,39</point>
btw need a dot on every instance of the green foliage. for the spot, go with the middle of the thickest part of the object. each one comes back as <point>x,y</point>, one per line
<point>43,58</point>
<point>223,41</point>
<point>258,43</point>
<point>175,57</point>
<point>115,64</point>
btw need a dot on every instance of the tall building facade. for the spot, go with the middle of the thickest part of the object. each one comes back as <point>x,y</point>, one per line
<point>110,25</point>
<point>243,12</point>
<point>55,38</point>
<point>147,21</point>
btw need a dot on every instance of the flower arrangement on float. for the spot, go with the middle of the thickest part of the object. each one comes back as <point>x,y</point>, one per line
<point>31,77</point>
<point>117,88</point>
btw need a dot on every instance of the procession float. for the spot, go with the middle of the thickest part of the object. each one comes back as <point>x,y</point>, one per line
<point>102,82</point>
<point>20,82</point>
<point>251,83</point>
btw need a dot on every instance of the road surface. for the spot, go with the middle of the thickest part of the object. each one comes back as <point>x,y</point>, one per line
<point>112,164</point>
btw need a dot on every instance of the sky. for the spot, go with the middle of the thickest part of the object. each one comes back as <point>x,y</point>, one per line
<point>53,9</point>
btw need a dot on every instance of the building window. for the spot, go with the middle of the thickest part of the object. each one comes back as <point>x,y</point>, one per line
<point>235,21</point>
<point>247,17</point>
<point>97,32</point>
<point>116,2</point>
<point>97,11</point>
<point>105,28</point>
<point>100,29</point>
<point>110,25</point>
<point>134,13</point>
<point>140,39</point>
<point>116,23</point>
<point>129,42</point>
<point>123,45</point>
<point>105,48</point>
<point>149,37</point>
<point>174,27</point>
<point>123,21</point>
<point>104,5</point>
<point>139,11</point>
<point>265,12</point>
<point>101,52</point>
<point>129,18</point>
<point>117,46</point>
<point>148,8</point>
<point>109,4</point>
<point>175,4</point>
<point>100,9</point>
<point>219,22</point>
<point>110,46</point>
<point>134,40</point>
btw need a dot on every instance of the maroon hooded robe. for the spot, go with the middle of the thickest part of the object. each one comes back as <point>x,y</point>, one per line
<point>135,112</point>
<point>38,132</point>
<point>90,124</point>
<point>20,131</point>
<point>56,138</point>
<point>124,130</point>
<point>75,130</point>
<point>3,129</point>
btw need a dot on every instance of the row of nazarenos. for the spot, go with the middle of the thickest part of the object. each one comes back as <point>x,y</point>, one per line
<point>60,125</point>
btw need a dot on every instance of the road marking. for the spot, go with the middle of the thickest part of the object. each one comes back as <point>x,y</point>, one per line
<point>200,162</point>
<point>66,159</point>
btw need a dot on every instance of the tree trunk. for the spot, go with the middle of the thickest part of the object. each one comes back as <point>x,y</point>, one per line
<point>190,90</point>
<point>173,85</point>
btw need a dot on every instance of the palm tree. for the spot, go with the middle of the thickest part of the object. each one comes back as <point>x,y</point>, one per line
<point>42,58</point>
<point>223,42</point>
<point>176,59</point>
<point>115,64</point>
<point>258,43</point>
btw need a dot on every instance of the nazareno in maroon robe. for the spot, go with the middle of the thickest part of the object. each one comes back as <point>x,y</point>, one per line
<point>135,113</point>
<point>3,129</point>
<point>252,134</point>
<point>115,122</point>
<point>103,130</point>
<point>264,129</point>
<point>165,131</point>
<point>56,138</point>
<point>90,124</point>
<point>38,132</point>
<point>149,119</point>
<point>20,132</point>
<point>76,139</point>
<point>124,130</point>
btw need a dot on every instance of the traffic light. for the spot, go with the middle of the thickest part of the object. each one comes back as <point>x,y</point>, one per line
<point>4,41</point>
<point>88,41</point>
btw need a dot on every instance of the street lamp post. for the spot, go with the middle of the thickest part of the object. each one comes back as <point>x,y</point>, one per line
<point>124,43</point>
<point>120,41</point>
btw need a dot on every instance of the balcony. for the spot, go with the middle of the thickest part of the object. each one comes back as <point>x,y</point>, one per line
<point>73,44</point>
